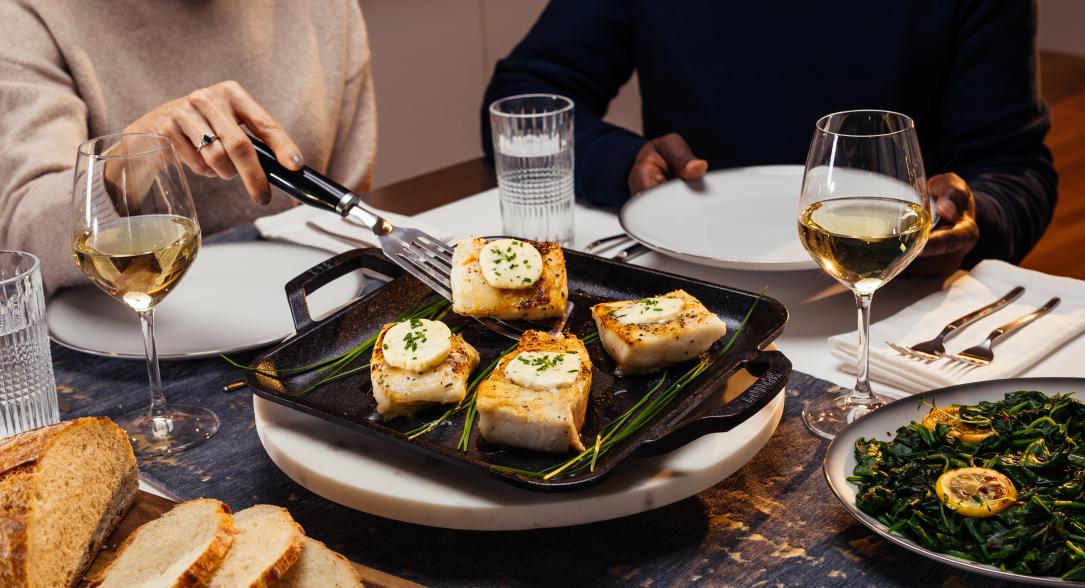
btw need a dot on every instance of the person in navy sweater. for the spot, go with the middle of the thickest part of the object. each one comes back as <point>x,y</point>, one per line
<point>726,84</point>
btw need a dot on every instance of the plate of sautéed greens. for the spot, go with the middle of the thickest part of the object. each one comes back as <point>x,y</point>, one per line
<point>988,477</point>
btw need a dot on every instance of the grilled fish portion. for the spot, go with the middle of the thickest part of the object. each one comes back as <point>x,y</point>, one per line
<point>632,334</point>
<point>543,420</point>
<point>472,295</point>
<point>401,392</point>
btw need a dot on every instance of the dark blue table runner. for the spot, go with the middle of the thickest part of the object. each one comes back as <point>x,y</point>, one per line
<point>773,521</point>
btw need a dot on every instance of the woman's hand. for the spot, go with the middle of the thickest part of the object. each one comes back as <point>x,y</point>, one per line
<point>220,110</point>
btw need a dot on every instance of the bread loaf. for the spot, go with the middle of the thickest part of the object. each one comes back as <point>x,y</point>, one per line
<point>63,489</point>
<point>183,548</point>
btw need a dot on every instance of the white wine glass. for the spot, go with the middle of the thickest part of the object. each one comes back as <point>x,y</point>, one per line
<point>136,235</point>
<point>864,216</point>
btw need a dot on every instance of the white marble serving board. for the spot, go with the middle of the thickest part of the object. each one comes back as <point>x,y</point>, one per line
<point>375,476</point>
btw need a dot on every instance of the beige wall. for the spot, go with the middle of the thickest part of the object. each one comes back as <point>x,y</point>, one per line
<point>1062,26</point>
<point>432,60</point>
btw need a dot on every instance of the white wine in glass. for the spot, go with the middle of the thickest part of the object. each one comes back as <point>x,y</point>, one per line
<point>864,216</point>
<point>136,235</point>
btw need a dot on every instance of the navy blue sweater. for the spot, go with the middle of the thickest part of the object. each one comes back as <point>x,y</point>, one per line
<point>744,83</point>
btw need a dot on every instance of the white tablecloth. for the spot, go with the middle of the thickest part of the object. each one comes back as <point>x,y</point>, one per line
<point>819,306</point>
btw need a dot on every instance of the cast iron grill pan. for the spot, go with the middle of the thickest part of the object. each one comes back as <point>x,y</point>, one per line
<point>349,402</point>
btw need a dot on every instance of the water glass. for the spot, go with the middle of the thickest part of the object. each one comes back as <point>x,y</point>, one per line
<point>533,151</point>
<point>28,395</point>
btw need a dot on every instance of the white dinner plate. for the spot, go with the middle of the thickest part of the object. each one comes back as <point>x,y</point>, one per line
<point>883,423</point>
<point>231,299</point>
<point>742,218</point>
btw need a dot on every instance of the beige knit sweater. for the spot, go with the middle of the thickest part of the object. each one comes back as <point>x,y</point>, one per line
<point>75,69</point>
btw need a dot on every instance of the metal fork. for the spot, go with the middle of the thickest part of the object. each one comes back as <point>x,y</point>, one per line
<point>512,330</point>
<point>935,348</point>
<point>599,245</point>
<point>982,355</point>
<point>632,250</point>
<point>426,258</point>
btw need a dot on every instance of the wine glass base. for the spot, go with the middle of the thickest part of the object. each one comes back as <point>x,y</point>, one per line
<point>181,428</point>
<point>828,415</point>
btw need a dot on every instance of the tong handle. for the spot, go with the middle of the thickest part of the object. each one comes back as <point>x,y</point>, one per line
<point>306,184</point>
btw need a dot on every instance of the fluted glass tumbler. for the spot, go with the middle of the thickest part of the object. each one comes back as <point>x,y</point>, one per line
<point>533,153</point>
<point>28,395</point>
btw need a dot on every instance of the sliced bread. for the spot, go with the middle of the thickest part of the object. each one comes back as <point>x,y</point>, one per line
<point>63,489</point>
<point>268,543</point>
<point>320,567</point>
<point>181,548</point>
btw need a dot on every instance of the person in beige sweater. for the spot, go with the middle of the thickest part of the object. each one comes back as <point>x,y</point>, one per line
<point>295,73</point>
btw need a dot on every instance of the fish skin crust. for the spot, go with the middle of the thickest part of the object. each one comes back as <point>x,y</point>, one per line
<point>644,348</point>
<point>472,295</point>
<point>541,420</point>
<point>401,392</point>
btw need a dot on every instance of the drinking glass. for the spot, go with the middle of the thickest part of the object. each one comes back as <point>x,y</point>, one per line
<point>28,394</point>
<point>864,216</point>
<point>533,152</point>
<point>135,237</point>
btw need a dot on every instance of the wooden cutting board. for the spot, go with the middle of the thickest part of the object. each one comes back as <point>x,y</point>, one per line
<point>148,507</point>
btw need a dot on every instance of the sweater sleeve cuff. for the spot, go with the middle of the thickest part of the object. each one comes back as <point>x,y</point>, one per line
<point>602,171</point>
<point>992,223</point>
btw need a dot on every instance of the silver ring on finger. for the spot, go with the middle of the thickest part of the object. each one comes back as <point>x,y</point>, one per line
<point>206,140</point>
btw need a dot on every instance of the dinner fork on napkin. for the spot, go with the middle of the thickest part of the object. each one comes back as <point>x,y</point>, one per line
<point>985,283</point>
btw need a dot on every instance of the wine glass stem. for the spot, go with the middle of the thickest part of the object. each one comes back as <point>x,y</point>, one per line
<point>158,399</point>
<point>862,394</point>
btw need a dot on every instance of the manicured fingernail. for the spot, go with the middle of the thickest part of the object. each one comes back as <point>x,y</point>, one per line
<point>297,160</point>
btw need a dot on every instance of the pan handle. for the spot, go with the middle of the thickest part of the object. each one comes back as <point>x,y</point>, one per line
<point>772,369</point>
<point>325,272</point>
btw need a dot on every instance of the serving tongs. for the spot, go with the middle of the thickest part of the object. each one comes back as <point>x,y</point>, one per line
<point>425,257</point>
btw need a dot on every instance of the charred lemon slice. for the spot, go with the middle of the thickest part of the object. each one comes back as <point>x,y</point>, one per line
<point>975,492</point>
<point>967,434</point>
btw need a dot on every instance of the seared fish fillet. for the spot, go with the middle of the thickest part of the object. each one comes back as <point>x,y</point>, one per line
<point>542,420</point>
<point>472,295</point>
<point>641,347</point>
<point>401,392</point>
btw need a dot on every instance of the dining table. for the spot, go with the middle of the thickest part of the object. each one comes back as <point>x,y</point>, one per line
<point>772,523</point>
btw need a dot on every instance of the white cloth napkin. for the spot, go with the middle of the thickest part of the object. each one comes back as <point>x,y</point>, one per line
<point>293,226</point>
<point>987,282</point>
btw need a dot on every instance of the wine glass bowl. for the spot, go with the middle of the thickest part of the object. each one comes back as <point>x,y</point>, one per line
<point>136,235</point>
<point>864,215</point>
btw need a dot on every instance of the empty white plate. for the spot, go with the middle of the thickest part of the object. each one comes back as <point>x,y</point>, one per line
<point>231,299</point>
<point>742,218</point>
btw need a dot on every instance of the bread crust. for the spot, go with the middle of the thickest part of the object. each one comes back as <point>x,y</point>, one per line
<point>340,561</point>
<point>20,456</point>
<point>199,573</point>
<point>289,557</point>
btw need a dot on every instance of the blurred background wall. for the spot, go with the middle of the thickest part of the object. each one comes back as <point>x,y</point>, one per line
<point>433,58</point>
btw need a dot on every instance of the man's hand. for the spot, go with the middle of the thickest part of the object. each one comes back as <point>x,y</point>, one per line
<point>221,110</point>
<point>664,158</point>
<point>957,233</point>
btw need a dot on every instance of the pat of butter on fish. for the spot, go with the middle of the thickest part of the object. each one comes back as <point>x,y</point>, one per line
<point>543,370</point>
<point>649,311</point>
<point>417,344</point>
<point>510,264</point>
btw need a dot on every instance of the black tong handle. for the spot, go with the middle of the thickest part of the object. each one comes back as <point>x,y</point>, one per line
<point>305,185</point>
